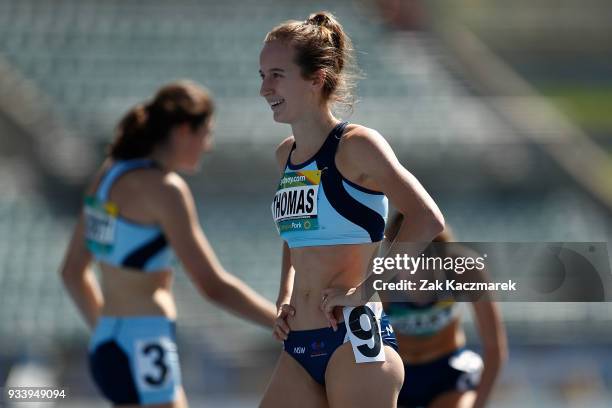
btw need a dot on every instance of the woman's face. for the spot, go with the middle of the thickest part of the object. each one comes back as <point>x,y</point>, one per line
<point>286,91</point>
<point>190,144</point>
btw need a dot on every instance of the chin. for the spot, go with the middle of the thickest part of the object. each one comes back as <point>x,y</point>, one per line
<point>281,119</point>
<point>190,169</point>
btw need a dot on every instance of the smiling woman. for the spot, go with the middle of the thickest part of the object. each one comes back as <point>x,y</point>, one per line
<point>325,51</point>
<point>330,208</point>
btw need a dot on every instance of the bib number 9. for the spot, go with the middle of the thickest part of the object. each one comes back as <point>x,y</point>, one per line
<point>364,333</point>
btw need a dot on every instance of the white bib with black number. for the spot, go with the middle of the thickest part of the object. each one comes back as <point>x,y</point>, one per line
<point>363,329</point>
<point>156,362</point>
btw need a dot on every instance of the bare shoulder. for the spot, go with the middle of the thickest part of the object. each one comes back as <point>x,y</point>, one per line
<point>282,151</point>
<point>170,185</point>
<point>156,190</point>
<point>362,142</point>
<point>97,177</point>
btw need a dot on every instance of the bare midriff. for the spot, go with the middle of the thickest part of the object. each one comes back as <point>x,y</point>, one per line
<point>322,267</point>
<point>136,293</point>
<point>421,349</point>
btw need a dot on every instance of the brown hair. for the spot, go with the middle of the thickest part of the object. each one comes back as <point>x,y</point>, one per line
<point>148,125</point>
<point>321,44</point>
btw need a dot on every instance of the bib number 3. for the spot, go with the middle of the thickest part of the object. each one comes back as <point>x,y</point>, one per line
<point>154,363</point>
<point>363,329</point>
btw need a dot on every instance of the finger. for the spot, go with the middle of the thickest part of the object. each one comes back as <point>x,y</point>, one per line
<point>330,307</point>
<point>279,334</point>
<point>275,333</point>
<point>283,326</point>
<point>333,322</point>
<point>279,337</point>
<point>288,309</point>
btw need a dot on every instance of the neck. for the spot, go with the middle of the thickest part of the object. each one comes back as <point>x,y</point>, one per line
<point>161,158</point>
<point>311,130</point>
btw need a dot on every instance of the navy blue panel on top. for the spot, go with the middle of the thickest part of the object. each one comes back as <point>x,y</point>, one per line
<point>139,258</point>
<point>339,198</point>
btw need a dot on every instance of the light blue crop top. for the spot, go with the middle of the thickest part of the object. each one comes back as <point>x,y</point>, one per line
<point>315,205</point>
<point>117,241</point>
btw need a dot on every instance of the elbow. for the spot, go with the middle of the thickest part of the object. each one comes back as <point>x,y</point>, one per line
<point>433,220</point>
<point>496,356</point>
<point>213,289</point>
<point>503,356</point>
<point>68,276</point>
<point>437,221</point>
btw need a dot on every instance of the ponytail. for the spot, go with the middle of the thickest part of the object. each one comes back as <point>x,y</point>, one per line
<point>147,126</point>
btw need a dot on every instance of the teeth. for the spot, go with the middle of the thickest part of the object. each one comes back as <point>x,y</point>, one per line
<point>276,103</point>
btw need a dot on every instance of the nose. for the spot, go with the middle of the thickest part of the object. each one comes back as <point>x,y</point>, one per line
<point>207,143</point>
<point>265,88</point>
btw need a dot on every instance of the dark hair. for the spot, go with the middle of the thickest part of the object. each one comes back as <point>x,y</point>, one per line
<point>148,125</point>
<point>321,44</point>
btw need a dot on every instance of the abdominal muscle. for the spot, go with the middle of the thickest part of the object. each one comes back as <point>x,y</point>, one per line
<point>318,268</point>
<point>136,293</point>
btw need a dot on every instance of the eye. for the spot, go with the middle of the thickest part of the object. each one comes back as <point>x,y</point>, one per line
<point>276,75</point>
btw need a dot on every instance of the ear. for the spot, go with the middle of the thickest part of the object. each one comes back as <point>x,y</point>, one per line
<point>178,133</point>
<point>318,79</point>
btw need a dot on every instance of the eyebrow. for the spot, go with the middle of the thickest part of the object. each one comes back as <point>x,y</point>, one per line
<point>273,70</point>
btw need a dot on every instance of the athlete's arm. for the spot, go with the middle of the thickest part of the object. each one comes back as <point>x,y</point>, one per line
<point>281,328</point>
<point>175,209</point>
<point>494,346</point>
<point>78,277</point>
<point>365,153</point>
<point>287,276</point>
<point>489,323</point>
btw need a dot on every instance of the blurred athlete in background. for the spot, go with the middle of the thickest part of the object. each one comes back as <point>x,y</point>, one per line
<point>439,372</point>
<point>138,214</point>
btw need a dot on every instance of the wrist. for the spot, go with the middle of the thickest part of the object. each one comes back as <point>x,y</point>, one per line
<point>282,301</point>
<point>357,295</point>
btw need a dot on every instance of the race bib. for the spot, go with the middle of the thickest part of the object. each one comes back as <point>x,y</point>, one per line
<point>363,328</point>
<point>156,363</point>
<point>294,207</point>
<point>100,222</point>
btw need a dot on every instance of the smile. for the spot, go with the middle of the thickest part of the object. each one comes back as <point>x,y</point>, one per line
<point>276,103</point>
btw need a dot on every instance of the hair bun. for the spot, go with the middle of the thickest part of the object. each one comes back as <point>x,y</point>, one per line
<point>319,19</point>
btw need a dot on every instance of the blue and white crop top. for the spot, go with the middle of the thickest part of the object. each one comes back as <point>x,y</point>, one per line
<point>117,241</point>
<point>427,319</point>
<point>315,205</point>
